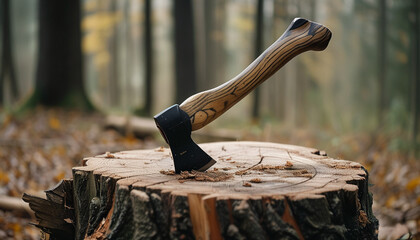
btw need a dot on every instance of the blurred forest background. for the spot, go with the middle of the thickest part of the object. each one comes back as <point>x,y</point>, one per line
<point>67,65</point>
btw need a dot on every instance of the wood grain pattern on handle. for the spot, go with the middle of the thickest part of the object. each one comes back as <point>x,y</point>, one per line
<point>302,35</point>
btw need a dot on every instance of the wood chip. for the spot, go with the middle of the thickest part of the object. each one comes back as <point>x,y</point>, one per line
<point>160,149</point>
<point>241,172</point>
<point>256,180</point>
<point>300,172</point>
<point>288,164</point>
<point>247,184</point>
<point>168,172</point>
<point>263,167</point>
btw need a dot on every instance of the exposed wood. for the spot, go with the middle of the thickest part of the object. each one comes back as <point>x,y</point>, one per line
<point>55,214</point>
<point>255,191</point>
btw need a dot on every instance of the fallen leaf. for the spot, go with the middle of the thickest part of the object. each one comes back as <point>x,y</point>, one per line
<point>413,184</point>
<point>59,176</point>
<point>390,201</point>
<point>4,177</point>
<point>54,123</point>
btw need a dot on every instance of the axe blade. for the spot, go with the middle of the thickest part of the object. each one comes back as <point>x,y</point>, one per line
<point>175,126</point>
<point>190,157</point>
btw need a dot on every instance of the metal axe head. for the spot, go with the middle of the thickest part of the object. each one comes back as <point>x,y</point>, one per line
<point>175,126</point>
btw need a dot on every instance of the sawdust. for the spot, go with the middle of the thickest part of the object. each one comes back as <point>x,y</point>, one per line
<point>342,166</point>
<point>302,173</point>
<point>270,169</point>
<point>241,172</point>
<point>263,167</point>
<point>209,176</point>
<point>337,165</point>
<point>167,172</point>
<point>224,158</point>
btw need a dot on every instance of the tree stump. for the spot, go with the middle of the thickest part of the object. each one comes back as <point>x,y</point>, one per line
<point>255,191</point>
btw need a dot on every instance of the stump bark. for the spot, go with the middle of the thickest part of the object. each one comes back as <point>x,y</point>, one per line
<point>254,191</point>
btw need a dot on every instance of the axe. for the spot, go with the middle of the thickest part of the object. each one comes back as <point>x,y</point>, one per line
<point>178,121</point>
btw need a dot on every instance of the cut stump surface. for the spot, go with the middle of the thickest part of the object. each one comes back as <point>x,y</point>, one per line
<point>255,191</point>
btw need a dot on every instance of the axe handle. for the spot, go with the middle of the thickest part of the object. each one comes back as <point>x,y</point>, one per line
<point>302,35</point>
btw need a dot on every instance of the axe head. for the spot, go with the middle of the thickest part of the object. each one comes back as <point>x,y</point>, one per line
<point>175,126</point>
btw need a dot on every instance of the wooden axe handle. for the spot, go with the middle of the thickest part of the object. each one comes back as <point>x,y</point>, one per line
<point>302,35</point>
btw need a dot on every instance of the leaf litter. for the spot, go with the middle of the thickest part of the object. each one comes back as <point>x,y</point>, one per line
<point>40,147</point>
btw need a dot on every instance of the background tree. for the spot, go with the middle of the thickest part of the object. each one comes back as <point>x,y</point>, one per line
<point>59,72</point>
<point>382,58</point>
<point>415,70</point>
<point>185,70</point>
<point>148,46</point>
<point>259,30</point>
<point>7,71</point>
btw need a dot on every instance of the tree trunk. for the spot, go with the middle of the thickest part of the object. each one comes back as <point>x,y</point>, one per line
<point>415,74</point>
<point>215,20</point>
<point>200,12</point>
<point>184,50</point>
<point>278,91</point>
<point>382,58</point>
<point>7,71</point>
<point>59,74</point>
<point>255,191</point>
<point>259,39</point>
<point>148,50</point>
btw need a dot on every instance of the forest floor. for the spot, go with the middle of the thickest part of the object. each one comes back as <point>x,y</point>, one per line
<point>40,147</point>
